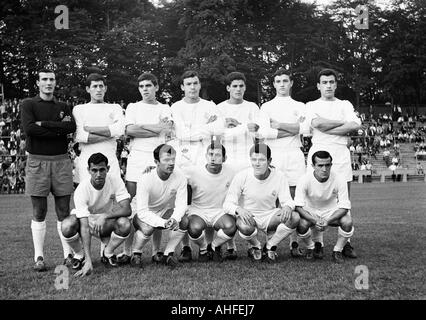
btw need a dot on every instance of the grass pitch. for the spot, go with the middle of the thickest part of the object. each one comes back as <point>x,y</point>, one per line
<point>390,233</point>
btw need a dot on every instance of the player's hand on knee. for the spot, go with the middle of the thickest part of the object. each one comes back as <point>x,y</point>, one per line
<point>246,217</point>
<point>172,224</point>
<point>285,214</point>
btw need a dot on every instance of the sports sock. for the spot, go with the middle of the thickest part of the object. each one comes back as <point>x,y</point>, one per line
<point>221,238</point>
<point>185,240</point>
<point>342,238</point>
<point>174,238</point>
<point>200,241</point>
<point>75,244</point>
<point>280,234</point>
<point>104,242</point>
<point>65,247</point>
<point>128,243</point>
<point>38,230</point>
<point>156,241</point>
<point>317,236</point>
<point>307,239</point>
<point>113,244</point>
<point>251,239</point>
<point>140,241</point>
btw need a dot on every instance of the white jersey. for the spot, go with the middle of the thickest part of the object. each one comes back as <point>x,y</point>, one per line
<point>155,196</point>
<point>88,200</point>
<point>257,196</point>
<point>239,140</point>
<point>98,115</point>
<point>141,113</point>
<point>322,196</point>
<point>208,190</point>
<point>285,110</point>
<point>337,109</point>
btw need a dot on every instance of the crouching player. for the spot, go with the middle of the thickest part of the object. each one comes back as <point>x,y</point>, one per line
<point>322,200</point>
<point>94,215</point>
<point>258,189</point>
<point>208,186</point>
<point>161,200</point>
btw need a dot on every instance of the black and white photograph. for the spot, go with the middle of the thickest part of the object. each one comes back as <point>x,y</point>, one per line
<point>212,156</point>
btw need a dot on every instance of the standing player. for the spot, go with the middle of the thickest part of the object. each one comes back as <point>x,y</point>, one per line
<point>242,121</point>
<point>332,120</point>
<point>161,200</point>
<point>258,188</point>
<point>196,120</point>
<point>99,124</point>
<point>94,215</point>
<point>322,200</point>
<point>208,185</point>
<point>148,122</point>
<point>286,119</point>
<point>46,123</point>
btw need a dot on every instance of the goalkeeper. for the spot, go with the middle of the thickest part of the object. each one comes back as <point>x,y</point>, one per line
<point>322,200</point>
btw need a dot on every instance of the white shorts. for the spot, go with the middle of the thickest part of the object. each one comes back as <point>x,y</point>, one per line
<point>210,216</point>
<point>326,214</point>
<point>341,159</point>
<point>114,167</point>
<point>165,214</point>
<point>291,162</point>
<point>263,219</point>
<point>92,218</point>
<point>137,161</point>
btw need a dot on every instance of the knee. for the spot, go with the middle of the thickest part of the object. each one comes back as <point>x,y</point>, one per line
<point>346,223</point>
<point>229,227</point>
<point>294,220</point>
<point>184,223</point>
<point>245,229</point>
<point>303,226</point>
<point>195,229</point>
<point>122,226</point>
<point>70,226</point>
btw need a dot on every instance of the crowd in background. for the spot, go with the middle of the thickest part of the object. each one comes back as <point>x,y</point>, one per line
<point>380,136</point>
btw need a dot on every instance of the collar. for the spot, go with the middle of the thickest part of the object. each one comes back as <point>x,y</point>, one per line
<point>38,99</point>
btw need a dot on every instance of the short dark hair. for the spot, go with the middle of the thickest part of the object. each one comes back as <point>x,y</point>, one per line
<point>261,148</point>
<point>215,145</point>
<point>95,77</point>
<point>149,77</point>
<point>321,154</point>
<point>97,158</point>
<point>234,76</point>
<point>189,74</point>
<point>280,72</point>
<point>163,148</point>
<point>44,70</point>
<point>326,72</point>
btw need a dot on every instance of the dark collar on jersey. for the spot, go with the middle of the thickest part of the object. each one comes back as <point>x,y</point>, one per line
<point>38,99</point>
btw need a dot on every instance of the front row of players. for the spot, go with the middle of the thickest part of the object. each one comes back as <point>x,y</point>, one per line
<point>255,199</point>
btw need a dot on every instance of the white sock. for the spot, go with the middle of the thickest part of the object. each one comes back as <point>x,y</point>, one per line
<point>342,238</point>
<point>307,239</point>
<point>200,241</point>
<point>317,236</point>
<point>38,230</point>
<point>140,241</point>
<point>231,244</point>
<point>221,238</point>
<point>280,234</point>
<point>128,243</point>
<point>156,241</point>
<point>104,242</point>
<point>251,239</point>
<point>75,244</point>
<point>113,244</point>
<point>65,247</point>
<point>174,238</point>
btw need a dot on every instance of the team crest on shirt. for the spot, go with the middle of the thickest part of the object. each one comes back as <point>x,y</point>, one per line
<point>184,150</point>
<point>274,193</point>
<point>228,184</point>
<point>61,115</point>
<point>173,192</point>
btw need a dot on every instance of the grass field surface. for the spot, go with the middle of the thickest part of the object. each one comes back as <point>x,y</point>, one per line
<point>390,233</point>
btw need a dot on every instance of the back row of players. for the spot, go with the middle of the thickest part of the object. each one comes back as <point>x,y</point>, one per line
<point>180,135</point>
